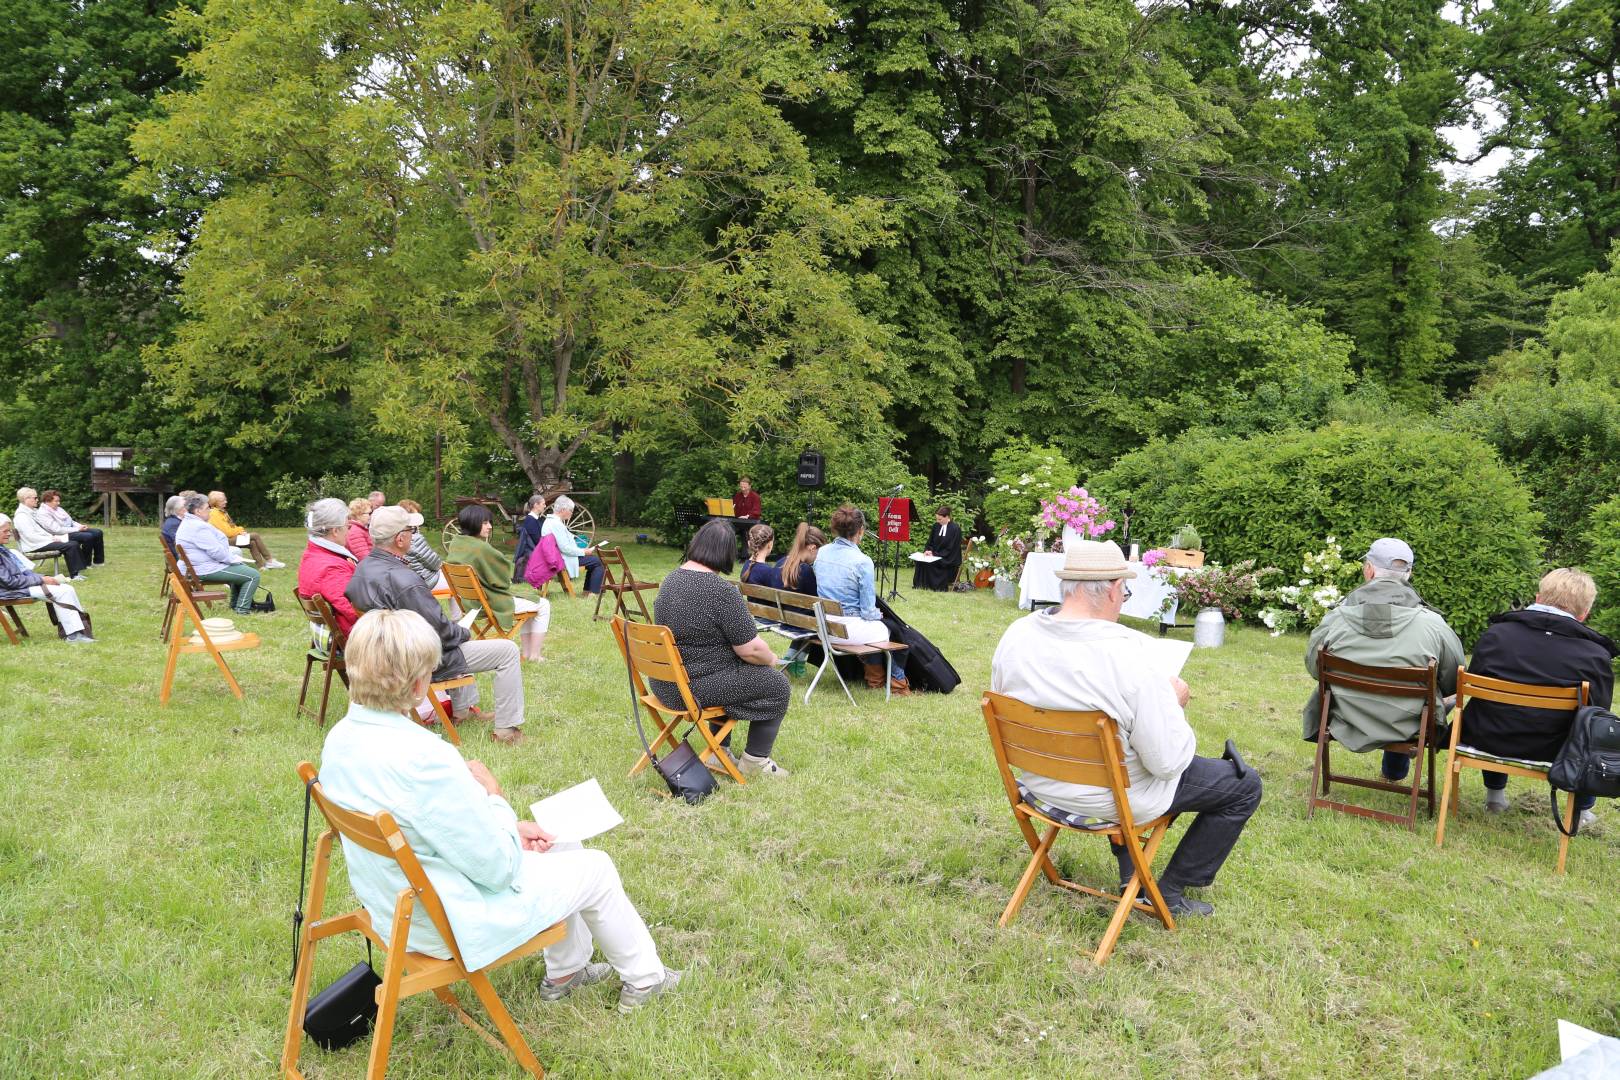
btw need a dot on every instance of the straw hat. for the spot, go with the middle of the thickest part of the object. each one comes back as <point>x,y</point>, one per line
<point>220,632</point>
<point>1093,560</point>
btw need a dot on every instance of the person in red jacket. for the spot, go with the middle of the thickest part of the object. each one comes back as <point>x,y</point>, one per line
<point>327,564</point>
<point>745,503</point>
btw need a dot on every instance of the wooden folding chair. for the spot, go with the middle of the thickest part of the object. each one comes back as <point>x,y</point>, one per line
<point>179,564</point>
<point>470,593</point>
<point>619,584</point>
<point>1076,748</point>
<point>163,572</point>
<point>1504,692</point>
<point>404,973</point>
<point>967,546</point>
<point>562,577</point>
<point>320,614</point>
<point>11,622</point>
<point>649,652</point>
<point>443,711</point>
<point>185,609</point>
<point>1334,673</point>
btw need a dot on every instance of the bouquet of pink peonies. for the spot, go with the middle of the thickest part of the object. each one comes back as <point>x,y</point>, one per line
<point>1078,510</point>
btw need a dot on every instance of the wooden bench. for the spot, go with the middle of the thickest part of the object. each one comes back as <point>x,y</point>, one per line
<point>803,619</point>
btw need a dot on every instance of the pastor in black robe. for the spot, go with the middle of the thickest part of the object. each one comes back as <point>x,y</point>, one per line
<point>946,542</point>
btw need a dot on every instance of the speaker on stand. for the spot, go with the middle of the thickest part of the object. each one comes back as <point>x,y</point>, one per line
<point>812,475</point>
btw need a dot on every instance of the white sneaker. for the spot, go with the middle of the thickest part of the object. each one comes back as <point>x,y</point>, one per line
<point>632,998</point>
<point>275,564</point>
<point>1588,818</point>
<point>760,766</point>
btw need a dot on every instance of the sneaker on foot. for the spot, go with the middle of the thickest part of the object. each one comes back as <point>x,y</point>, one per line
<point>632,998</point>
<point>82,638</point>
<point>1587,818</point>
<point>585,976</point>
<point>1496,802</point>
<point>760,766</point>
<point>275,564</point>
<point>78,577</point>
<point>1186,905</point>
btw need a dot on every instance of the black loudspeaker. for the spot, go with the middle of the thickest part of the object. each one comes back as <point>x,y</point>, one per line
<point>812,469</point>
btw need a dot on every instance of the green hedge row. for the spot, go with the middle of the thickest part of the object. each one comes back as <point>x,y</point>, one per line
<point>1277,497</point>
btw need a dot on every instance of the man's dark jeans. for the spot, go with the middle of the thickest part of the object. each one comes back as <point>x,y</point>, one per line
<point>1223,801</point>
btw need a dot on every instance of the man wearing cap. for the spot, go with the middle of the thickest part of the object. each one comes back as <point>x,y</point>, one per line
<point>1382,623</point>
<point>385,580</point>
<point>1077,656</point>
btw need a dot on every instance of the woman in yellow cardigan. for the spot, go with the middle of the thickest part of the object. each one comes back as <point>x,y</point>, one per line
<point>472,548</point>
<point>219,519</point>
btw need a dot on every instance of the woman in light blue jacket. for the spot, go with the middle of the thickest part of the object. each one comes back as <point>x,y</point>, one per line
<point>501,880</point>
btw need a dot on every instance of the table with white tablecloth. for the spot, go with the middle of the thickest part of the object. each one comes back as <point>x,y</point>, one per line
<point>1039,585</point>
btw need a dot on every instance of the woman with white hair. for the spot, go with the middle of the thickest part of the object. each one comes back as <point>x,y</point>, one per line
<point>327,564</point>
<point>18,579</point>
<point>34,537</point>
<point>575,554</point>
<point>501,880</point>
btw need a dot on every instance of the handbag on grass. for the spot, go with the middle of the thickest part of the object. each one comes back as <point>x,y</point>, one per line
<point>688,778</point>
<point>343,1012</point>
<point>268,604</point>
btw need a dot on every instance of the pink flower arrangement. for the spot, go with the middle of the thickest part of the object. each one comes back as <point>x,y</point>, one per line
<point>1153,557</point>
<point>1077,509</point>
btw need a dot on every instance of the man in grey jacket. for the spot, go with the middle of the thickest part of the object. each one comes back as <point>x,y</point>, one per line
<point>1382,623</point>
<point>385,580</point>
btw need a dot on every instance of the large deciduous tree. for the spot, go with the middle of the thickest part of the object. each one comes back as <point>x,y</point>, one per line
<point>560,218</point>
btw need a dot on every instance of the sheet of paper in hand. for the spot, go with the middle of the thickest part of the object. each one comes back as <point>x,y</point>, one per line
<point>923,556</point>
<point>243,539</point>
<point>466,620</point>
<point>576,814</point>
<point>1167,655</point>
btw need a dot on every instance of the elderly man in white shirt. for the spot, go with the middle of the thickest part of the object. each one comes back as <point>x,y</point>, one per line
<point>1078,657</point>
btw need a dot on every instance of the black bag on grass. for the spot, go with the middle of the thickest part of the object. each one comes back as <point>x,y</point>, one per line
<point>926,667</point>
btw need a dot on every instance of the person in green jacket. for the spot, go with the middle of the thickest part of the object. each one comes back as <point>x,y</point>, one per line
<point>1382,623</point>
<point>472,548</point>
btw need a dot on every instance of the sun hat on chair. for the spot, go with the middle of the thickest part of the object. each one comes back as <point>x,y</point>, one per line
<point>1093,560</point>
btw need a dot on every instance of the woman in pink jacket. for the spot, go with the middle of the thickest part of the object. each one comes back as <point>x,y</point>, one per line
<point>327,565</point>
<point>358,538</point>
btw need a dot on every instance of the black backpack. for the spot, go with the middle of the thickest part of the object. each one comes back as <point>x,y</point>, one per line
<point>1589,763</point>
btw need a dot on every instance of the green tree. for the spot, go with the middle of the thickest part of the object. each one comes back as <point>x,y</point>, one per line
<point>551,218</point>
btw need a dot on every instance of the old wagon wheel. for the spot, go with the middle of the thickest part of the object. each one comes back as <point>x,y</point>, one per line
<point>582,522</point>
<point>451,530</point>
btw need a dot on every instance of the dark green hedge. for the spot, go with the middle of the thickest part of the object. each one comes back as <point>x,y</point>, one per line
<point>1276,497</point>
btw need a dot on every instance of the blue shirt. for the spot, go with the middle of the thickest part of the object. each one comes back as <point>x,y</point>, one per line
<point>844,573</point>
<point>205,545</point>
<point>167,529</point>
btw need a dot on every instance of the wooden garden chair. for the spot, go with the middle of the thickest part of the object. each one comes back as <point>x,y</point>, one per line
<point>1336,674</point>
<point>11,622</point>
<point>443,711</point>
<point>649,652</point>
<point>967,546</point>
<point>620,583</point>
<point>323,623</point>
<point>1076,748</point>
<point>1524,695</point>
<point>563,578</point>
<point>179,564</point>
<point>186,609</point>
<point>470,593</point>
<point>404,973</point>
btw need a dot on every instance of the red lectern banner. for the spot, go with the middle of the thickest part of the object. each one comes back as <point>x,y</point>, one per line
<point>894,519</point>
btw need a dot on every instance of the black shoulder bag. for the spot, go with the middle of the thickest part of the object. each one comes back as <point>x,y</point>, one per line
<point>1589,761</point>
<point>344,1011</point>
<point>686,776</point>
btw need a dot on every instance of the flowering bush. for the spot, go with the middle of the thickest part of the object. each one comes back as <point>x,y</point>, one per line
<point>979,557</point>
<point>1077,509</point>
<point>1230,588</point>
<point>1325,577</point>
<point>1153,557</point>
<point>1025,474</point>
<point>1007,555</point>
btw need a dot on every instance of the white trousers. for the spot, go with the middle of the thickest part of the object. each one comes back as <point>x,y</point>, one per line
<point>542,609</point>
<point>862,632</point>
<point>71,623</point>
<point>600,914</point>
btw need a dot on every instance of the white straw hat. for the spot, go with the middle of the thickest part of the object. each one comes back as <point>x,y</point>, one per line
<point>1093,560</point>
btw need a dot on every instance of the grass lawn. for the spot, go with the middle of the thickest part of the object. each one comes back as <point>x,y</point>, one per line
<point>840,921</point>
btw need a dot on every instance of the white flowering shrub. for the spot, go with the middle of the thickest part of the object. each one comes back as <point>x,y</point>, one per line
<point>1325,578</point>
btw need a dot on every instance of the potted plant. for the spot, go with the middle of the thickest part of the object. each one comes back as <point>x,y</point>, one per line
<point>1008,558</point>
<point>1078,513</point>
<point>1186,549</point>
<point>981,569</point>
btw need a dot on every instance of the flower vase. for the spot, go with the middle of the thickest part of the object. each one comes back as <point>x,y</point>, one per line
<point>1071,536</point>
